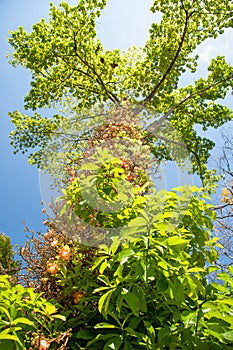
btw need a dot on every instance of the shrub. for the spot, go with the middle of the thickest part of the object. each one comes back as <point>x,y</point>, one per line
<point>149,289</point>
<point>8,265</point>
<point>27,320</point>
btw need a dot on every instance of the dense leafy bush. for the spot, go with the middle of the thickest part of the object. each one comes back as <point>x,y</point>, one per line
<point>149,288</point>
<point>27,320</point>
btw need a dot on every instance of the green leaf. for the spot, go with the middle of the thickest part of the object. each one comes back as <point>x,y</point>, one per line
<point>127,346</point>
<point>133,302</point>
<point>105,325</point>
<point>103,266</point>
<point>138,222</point>
<point>97,262</point>
<point>176,240</point>
<point>60,317</point>
<point>10,337</point>
<point>124,255</point>
<point>225,301</point>
<point>134,322</point>
<point>163,333</point>
<point>50,309</point>
<point>24,321</point>
<point>228,336</point>
<point>196,269</point>
<point>101,337</point>
<point>104,302</point>
<point>104,279</point>
<point>82,334</point>
<point>115,244</point>
<point>6,312</point>
<point>162,284</point>
<point>114,343</point>
<point>90,166</point>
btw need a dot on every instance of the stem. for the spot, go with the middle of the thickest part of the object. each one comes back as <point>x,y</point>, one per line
<point>99,80</point>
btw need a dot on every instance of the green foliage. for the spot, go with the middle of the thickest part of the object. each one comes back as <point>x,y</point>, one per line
<point>147,285</point>
<point>69,61</point>
<point>117,199</point>
<point>155,291</point>
<point>7,262</point>
<point>25,317</point>
<point>150,288</point>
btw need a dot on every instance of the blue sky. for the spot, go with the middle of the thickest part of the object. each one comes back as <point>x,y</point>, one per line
<point>123,23</point>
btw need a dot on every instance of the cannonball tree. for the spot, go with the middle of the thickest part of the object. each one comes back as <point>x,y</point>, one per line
<point>126,264</point>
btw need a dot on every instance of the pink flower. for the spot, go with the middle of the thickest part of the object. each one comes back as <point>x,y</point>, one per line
<point>44,344</point>
<point>52,268</point>
<point>46,235</point>
<point>65,253</point>
<point>54,243</point>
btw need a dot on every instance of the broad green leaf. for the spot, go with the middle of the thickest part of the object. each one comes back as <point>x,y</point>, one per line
<point>115,244</point>
<point>9,337</point>
<point>164,332</point>
<point>162,284</point>
<point>24,321</point>
<point>102,337</point>
<point>6,312</point>
<point>50,309</point>
<point>89,166</point>
<point>104,302</point>
<point>114,343</point>
<point>139,222</point>
<point>103,266</point>
<point>124,255</point>
<point>176,240</point>
<point>84,334</point>
<point>228,301</point>
<point>97,262</point>
<point>133,303</point>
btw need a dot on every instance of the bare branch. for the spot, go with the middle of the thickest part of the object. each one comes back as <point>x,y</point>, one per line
<point>99,80</point>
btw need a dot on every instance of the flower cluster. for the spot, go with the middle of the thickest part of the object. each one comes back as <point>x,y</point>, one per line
<point>77,296</point>
<point>64,253</point>
<point>39,342</point>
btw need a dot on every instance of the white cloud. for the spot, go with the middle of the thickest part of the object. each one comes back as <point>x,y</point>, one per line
<point>223,45</point>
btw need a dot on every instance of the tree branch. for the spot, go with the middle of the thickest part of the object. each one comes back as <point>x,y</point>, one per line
<point>198,92</point>
<point>99,80</point>
<point>154,91</point>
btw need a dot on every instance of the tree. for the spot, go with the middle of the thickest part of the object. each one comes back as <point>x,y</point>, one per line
<point>8,265</point>
<point>68,60</point>
<point>224,207</point>
<point>141,280</point>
